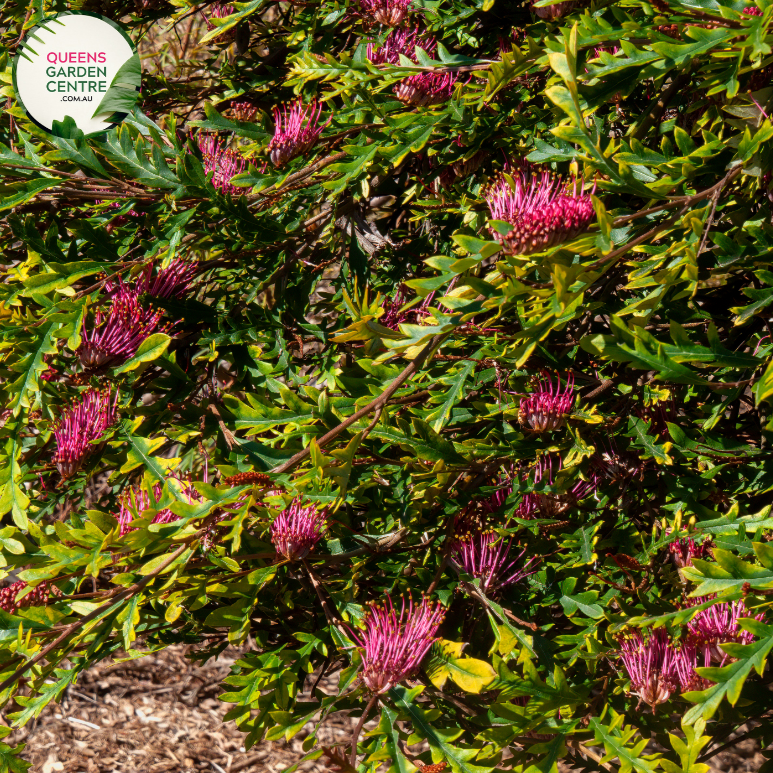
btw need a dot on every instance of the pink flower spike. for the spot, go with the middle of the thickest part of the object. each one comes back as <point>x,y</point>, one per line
<point>116,335</point>
<point>719,625</point>
<point>393,645</point>
<point>296,131</point>
<point>39,596</point>
<point>538,505</point>
<point>400,41</point>
<point>217,11</point>
<point>388,12</point>
<point>482,553</point>
<point>134,501</point>
<point>547,407</point>
<point>393,317</point>
<point>541,210</point>
<point>244,111</point>
<point>426,88</point>
<point>224,163</point>
<point>651,666</point>
<point>684,550</point>
<point>85,420</point>
<point>297,529</point>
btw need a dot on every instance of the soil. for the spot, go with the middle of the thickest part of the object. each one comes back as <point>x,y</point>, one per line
<point>161,713</point>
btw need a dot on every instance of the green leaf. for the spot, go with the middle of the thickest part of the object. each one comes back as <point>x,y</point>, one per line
<point>121,96</point>
<point>153,347</point>
<point>439,740</point>
<point>445,661</point>
<point>441,416</point>
<point>18,193</point>
<point>730,679</point>
<point>616,740</point>
<point>388,729</point>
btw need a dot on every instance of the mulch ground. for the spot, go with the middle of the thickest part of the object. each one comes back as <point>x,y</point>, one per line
<point>161,713</point>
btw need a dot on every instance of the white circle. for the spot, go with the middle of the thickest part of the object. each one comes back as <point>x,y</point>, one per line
<point>50,89</point>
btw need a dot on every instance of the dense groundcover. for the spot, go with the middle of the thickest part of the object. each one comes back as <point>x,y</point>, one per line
<point>421,342</point>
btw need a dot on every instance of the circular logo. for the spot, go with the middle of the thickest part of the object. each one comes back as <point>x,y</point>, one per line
<point>78,66</point>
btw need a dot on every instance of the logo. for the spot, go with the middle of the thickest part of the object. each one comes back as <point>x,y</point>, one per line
<point>78,65</point>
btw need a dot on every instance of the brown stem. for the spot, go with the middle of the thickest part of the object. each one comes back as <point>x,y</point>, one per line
<point>379,402</point>
<point>322,600</point>
<point>358,729</point>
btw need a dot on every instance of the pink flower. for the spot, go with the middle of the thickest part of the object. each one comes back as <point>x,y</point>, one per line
<point>555,11</point>
<point>243,111</point>
<point>393,646</point>
<point>39,596</point>
<point>170,282</point>
<point>656,668</point>
<point>217,11</point>
<point>752,10</point>
<point>116,335</point>
<point>223,162</point>
<point>546,408</point>
<point>684,550</point>
<point>541,505</point>
<point>482,553</point>
<point>84,421</point>
<point>393,317</point>
<point>426,88</point>
<point>541,210</point>
<point>388,12</point>
<point>719,625</point>
<point>400,41</point>
<point>135,500</point>
<point>297,529</point>
<point>296,131</point>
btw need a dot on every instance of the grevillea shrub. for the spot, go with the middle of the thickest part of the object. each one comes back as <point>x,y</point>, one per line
<point>421,350</point>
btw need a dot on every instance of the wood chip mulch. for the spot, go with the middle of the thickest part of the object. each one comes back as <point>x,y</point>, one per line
<point>153,715</point>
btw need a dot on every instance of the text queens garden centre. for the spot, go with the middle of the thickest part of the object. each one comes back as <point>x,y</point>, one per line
<point>76,72</point>
<point>77,67</point>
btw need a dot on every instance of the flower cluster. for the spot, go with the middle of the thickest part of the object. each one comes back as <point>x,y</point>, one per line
<point>79,425</point>
<point>297,529</point>
<point>223,162</point>
<point>541,210</point>
<point>393,645</point>
<point>483,554</point>
<point>39,596</point>
<point>719,625</point>
<point>295,131</point>
<point>657,668</point>
<point>546,408</point>
<point>388,12</point>
<point>116,335</point>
